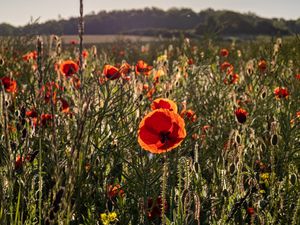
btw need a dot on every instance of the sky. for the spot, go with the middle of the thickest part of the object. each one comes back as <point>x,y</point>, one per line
<point>20,12</point>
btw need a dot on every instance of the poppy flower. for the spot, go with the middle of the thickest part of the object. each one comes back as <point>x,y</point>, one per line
<point>164,103</point>
<point>19,162</point>
<point>69,68</point>
<point>150,93</point>
<point>241,115</point>
<point>145,87</point>
<point>142,67</point>
<point>250,211</point>
<point>85,54</point>
<point>224,52</point>
<point>189,114</point>
<point>65,107</point>
<point>281,92</point>
<point>262,65</point>
<point>155,207</point>
<point>297,76</point>
<point>30,55</point>
<point>114,191</point>
<point>45,118</point>
<point>233,79</point>
<point>190,62</point>
<point>111,72</point>
<point>10,85</point>
<point>225,65</point>
<point>32,114</point>
<point>161,131</point>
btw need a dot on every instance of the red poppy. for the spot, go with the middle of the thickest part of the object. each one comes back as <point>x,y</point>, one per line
<point>85,54</point>
<point>142,67</point>
<point>241,115</point>
<point>10,85</point>
<point>155,207</point>
<point>65,107</point>
<point>32,114</point>
<point>161,131</point>
<point>69,68</point>
<point>281,92</point>
<point>111,72</point>
<point>150,93</point>
<point>19,162</point>
<point>224,52</point>
<point>262,65</point>
<point>145,87</point>
<point>225,65</point>
<point>233,79</point>
<point>189,114</point>
<point>30,55</point>
<point>114,191</point>
<point>297,76</point>
<point>250,211</point>
<point>164,103</point>
<point>45,118</point>
<point>190,61</point>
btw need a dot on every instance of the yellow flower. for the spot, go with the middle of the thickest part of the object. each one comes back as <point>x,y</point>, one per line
<point>106,219</point>
<point>265,176</point>
<point>112,216</point>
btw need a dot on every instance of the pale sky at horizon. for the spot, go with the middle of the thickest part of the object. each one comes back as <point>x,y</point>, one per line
<point>19,12</point>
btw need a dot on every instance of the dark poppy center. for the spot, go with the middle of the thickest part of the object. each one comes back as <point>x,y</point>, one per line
<point>164,136</point>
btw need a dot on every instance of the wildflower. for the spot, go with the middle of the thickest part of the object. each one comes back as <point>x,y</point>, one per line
<point>161,131</point>
<point>224,52</point>
<point>250,211</point>
<point>10,85</point>
<point>114,191</point>
<point>106,219</point>
<point>32,114</point>
<point>69,68</point>
<point>142,67</point>
<point>145,87</point>
<point>164,103</point>
<point>281,92</point>
<point>297,76</point>
<point>233,79</point>
<point>155,207</point>
<point>111,72</point>
<point>241,115</point>
<point>65,107</point>
<point>45,118</point>
<point>189,114</point>
<point>225,65</point>
<point>85,53</point>
<point>190,61</point>
<point>262,65</point>
<point>19,162</point>
<point>30,56</point>
<point>265,176</point>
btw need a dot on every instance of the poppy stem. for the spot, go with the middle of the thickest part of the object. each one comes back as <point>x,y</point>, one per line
<point>164,188</point>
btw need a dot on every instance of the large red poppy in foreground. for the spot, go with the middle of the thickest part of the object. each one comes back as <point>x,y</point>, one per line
<point>161,131</point>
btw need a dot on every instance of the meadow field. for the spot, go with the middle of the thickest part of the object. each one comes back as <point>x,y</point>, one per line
<point>171,132</point>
